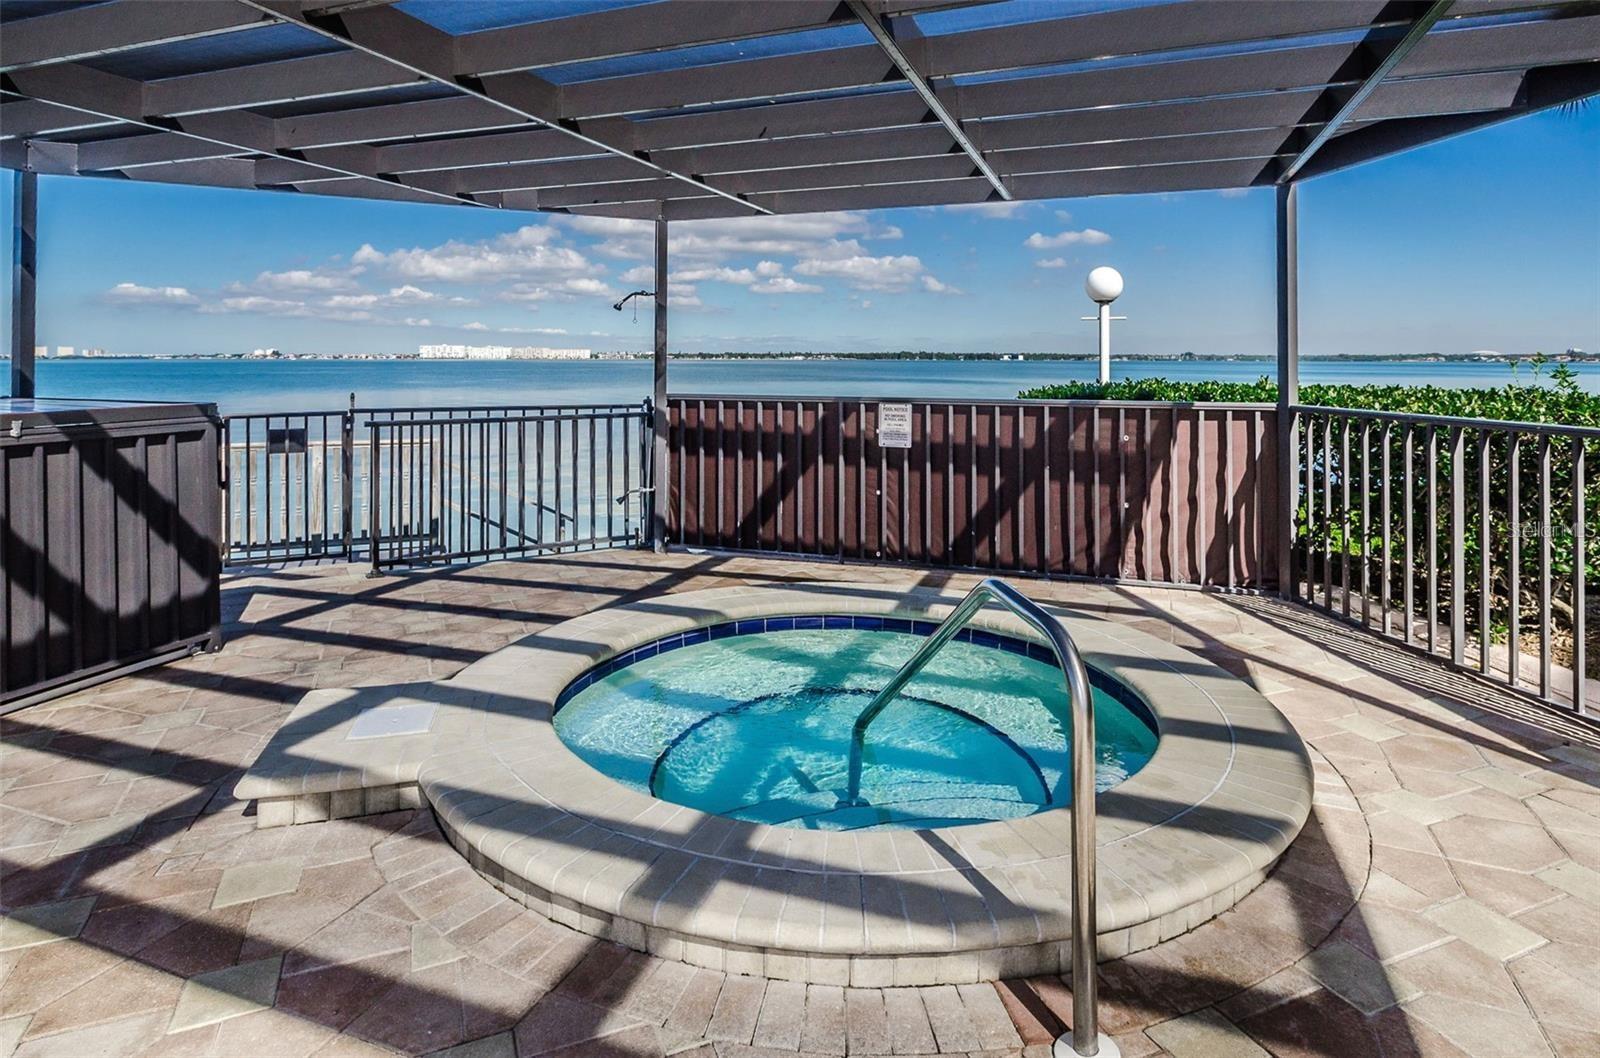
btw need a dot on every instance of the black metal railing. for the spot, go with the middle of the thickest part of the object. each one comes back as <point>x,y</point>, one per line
<point>287,486</point>
<point>398,485</point>
<point>455,487</point>
<point>1471,540</point>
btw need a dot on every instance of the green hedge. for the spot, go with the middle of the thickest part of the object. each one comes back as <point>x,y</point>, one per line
<point>1560,402</point>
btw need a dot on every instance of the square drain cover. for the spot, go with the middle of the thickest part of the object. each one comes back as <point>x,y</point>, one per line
<point>411,719</point>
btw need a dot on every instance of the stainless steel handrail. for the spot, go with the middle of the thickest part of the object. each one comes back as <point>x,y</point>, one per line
<point>1086,1039</point>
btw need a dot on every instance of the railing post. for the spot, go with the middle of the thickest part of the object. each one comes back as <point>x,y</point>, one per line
<point>1288,380</point>
<point>1085,1038</point>
<point>372,498</point>
<point>347,474</point>
<point>659,470</point>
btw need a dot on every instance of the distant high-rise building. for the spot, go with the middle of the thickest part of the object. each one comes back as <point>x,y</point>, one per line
<point>63,352</point>
<point>500,352</point>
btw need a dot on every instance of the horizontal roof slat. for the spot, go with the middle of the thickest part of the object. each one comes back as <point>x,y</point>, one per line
<point>932,193</point>
<point>432,117</point>
<point>917,141</point>
<point>1187,79</point>
<point>1273,110</point>
<point>1258,143</point>
<point>630,31</point>
<point>1146,179</point>
<point>1441,95</point>
<point>770,78</point>
<point>800,118</point>
<point>1547,42</point>
<point>99,29</point>
<point>333,74</point>
<point>855,174</point>
<point>1138,30</point>
<point>31,117</point>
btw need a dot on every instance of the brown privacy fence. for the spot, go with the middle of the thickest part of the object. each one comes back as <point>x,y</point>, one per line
<point>1155,492</point>
<point>109,527</point>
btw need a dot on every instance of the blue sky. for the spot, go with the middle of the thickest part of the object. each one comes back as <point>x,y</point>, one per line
<point>1487,241</point>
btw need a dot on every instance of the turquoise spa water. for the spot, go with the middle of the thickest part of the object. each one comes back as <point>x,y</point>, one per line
<point>758,727</point>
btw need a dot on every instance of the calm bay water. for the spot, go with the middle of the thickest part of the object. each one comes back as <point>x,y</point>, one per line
<point>239,386</point>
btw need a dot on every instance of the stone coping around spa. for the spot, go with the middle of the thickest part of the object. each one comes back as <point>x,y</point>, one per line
<point>1226,792</point>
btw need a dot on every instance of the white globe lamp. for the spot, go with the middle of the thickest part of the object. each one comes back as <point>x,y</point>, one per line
<point>1104,286</point>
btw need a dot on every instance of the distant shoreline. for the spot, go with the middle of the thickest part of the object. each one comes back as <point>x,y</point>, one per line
<point>1184,358</point>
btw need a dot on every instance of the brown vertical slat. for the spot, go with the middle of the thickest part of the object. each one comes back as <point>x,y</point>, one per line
<point>984,487</point>
<point>808,518</point>
<point>1007,486</point>
<point>936,484</point>
<point>1059,456</point>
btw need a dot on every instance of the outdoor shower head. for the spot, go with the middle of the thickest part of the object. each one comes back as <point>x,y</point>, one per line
<point>635,294</point>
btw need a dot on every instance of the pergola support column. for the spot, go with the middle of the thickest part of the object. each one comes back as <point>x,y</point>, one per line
<point>1288,379</point>
<point>659,471</point>
<point>24,269</point>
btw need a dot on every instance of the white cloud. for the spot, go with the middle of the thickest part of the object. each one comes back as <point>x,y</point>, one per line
<point>935,286</point>
<point>1086,237</point>
<point>768,269</point>
<point>475,325</point>
<point>1233,192</point>
<point>784,285</point>
<point>298,281</point>
<point>395,297</point>
<point>717,274</point>
<point>561,290</point>
<point>526,253</point>
<point>134,294</point>
<point>891,273</point>
<point>1051,262</point>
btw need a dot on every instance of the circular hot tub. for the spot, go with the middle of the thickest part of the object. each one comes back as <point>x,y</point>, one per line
<point>752,719</point>
<point>666,773</point>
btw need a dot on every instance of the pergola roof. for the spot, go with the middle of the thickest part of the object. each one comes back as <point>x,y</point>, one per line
<point>711,108</point>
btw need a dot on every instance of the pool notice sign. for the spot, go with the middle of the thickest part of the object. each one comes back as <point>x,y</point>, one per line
<point>894,426</point>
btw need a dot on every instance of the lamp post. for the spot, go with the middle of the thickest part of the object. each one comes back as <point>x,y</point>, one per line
<point>1104,286</point>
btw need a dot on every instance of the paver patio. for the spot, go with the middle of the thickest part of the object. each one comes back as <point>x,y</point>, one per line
<point>1444,899</point>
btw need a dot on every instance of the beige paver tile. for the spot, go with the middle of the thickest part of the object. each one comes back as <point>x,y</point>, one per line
<point>1506,781</point>
<point>1368,728</point>
<point>256,881</point>
<point>1574,878</point>
<point>1357,978</point>
<point>824,1030</point>
<point>1488,931</point>
<point>43,923</point>
<point>1482,1032</point>
<point>500,1045</point>
<point>431,948</point>
<point>1204,1034</point>
<point>229,993</point>
<point>1413,806</point>
<point>11,1030</point>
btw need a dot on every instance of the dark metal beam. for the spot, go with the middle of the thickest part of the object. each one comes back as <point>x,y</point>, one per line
<point>1288,276</point>
<point>103,29</point>
<point>24,272</point>
<point>897,55</point>
<point>1404,47</point>
<point>412,45</point>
